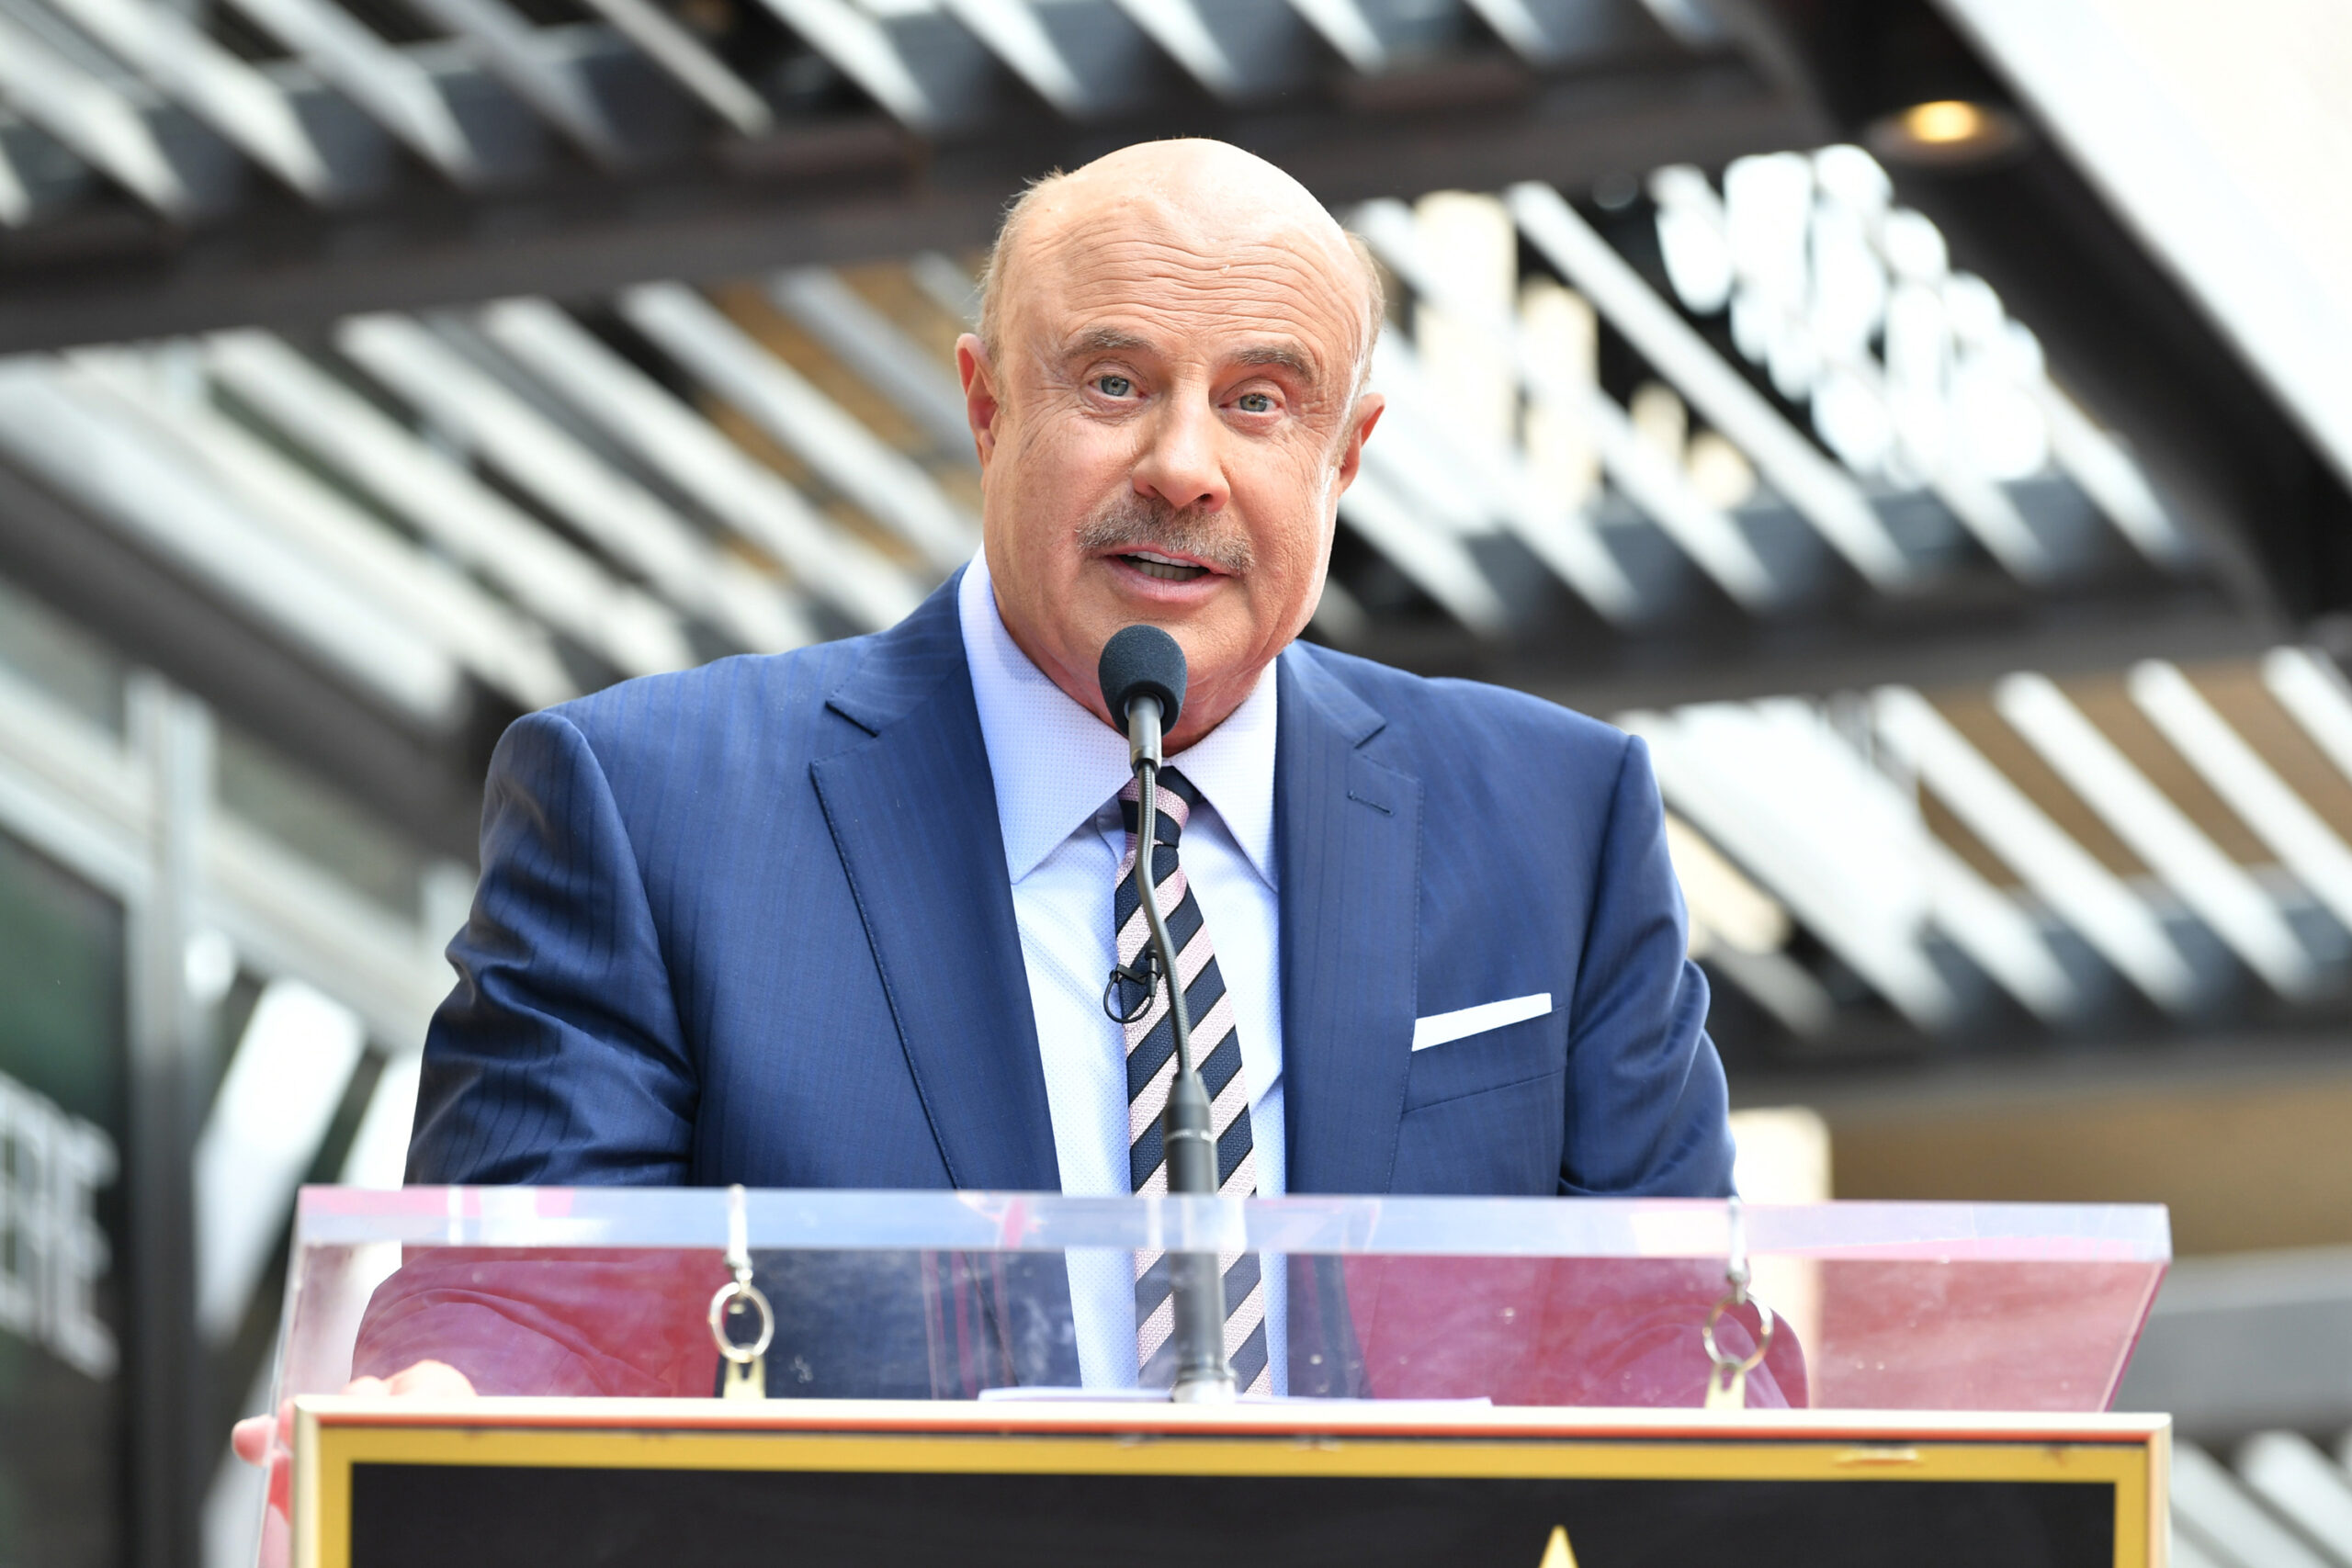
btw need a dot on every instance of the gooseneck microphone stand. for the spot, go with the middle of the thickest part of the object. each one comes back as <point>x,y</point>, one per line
<point>1139,682</point>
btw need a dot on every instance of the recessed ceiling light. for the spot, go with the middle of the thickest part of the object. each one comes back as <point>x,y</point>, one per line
<point>1945,121</point>
<point>1947,131</point>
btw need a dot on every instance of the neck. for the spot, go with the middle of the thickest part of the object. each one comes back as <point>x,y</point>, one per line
<point>1209,703</point>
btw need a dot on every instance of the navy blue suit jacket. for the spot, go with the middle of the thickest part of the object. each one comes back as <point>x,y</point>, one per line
<point>751,922</point>
<point>753,925</point>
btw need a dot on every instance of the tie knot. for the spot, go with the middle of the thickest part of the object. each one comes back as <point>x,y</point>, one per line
<point>1177,797</point>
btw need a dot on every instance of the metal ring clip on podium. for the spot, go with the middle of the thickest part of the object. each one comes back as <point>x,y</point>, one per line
<point>1520,1383</point>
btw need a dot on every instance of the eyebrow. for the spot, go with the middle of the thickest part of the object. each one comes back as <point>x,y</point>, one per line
<point>1108,340</point>
<point>1282,355</point>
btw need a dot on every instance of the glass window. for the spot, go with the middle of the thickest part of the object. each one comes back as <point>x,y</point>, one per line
<point>308,815</point>
<point>61,1217</point>
<point>42,646</point>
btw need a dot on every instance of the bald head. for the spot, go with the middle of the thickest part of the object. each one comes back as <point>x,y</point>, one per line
<point>1206,194</point>
<point>1167,400</point>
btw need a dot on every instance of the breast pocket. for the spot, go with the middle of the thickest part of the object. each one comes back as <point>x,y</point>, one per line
<point>1517,1053</point>
<point>1483,1114</point>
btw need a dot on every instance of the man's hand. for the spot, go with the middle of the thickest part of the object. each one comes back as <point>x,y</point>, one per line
<point>269,1440</point>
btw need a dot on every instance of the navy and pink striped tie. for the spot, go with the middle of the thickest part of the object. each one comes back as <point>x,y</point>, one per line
<point>1151,1069</point>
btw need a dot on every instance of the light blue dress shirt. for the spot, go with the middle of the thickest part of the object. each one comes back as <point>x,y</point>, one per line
<point>1058,770</point>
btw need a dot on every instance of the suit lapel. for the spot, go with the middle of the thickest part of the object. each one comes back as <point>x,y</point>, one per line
<point>1350,853</point>
<point>912,811</point>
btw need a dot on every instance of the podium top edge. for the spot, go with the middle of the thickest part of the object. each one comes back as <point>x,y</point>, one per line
<point>845,1220</point>
<point>1367,1418</point>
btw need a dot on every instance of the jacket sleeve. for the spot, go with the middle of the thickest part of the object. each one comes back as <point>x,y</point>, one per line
<point>1646,1106</point>
<point>558,1058</point>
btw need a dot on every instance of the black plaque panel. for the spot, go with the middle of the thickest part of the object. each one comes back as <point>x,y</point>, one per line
<point>411,1515</point>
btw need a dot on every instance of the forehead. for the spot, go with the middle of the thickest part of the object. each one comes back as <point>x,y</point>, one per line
<point>1188,288</point>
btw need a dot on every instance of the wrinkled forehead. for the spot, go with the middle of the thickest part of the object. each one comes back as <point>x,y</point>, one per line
<point>1197,287</point>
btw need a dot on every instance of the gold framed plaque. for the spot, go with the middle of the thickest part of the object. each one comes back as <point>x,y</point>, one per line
<point>381,1483</point>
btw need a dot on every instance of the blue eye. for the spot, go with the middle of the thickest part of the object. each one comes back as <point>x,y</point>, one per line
<point>1255,403</point>
<point>1115,386</point>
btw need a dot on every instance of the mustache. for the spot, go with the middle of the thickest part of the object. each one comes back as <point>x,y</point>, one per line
<point>1143,522</point>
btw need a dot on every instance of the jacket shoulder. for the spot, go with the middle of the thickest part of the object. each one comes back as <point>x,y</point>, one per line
<point>1433,711</point>
<point>713,711</point>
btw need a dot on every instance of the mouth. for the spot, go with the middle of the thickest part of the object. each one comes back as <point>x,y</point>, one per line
<point>1163,569</point>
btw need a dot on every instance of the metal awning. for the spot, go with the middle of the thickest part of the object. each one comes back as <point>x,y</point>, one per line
<point>1591,458</point>
<point>671,471</point>
<point>284,161</point>
<point>187,112</point>
<point>2166,847</point>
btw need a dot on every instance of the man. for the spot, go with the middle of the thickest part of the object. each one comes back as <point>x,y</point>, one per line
<point>844,917</point>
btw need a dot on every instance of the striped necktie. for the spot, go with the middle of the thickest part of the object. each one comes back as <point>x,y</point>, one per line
<point>1152,1069</point>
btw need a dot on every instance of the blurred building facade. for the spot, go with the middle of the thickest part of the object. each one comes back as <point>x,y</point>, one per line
<point>1769,379</point>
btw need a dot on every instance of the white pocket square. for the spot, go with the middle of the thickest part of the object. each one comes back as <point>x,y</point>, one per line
<point>1441,1027</point>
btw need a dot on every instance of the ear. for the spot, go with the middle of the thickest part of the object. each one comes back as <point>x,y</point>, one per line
<point>980,400</point>
<point>1361,419</point>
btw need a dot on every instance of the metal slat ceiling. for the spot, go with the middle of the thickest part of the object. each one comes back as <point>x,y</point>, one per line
<point>1905,845</point>
<point>406,156</point>
<point>495,94</point>
<point>541,498</point>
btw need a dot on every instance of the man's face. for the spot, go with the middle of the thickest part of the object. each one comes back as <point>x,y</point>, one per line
<point>1163,434</point>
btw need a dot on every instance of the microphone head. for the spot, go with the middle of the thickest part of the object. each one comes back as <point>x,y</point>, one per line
<point>1143,660</point>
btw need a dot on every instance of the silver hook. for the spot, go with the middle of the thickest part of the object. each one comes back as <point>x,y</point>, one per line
<point>739,1234</point>
<point>1736,1270</point>
<point>1727,1377</point>
<point>746,1372</point>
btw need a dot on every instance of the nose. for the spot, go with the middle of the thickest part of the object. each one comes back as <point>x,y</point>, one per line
<point>1181,462</point>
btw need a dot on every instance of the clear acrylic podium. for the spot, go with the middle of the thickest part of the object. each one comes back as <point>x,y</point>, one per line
<point>1459,1379</point>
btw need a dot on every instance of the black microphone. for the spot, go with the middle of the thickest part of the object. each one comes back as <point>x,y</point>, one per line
<point>1142,673</point>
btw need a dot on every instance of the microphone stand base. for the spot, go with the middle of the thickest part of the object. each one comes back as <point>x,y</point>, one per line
<point>1203,1391</point>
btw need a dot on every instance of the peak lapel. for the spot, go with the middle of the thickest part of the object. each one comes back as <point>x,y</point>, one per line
<point>913,814</point>
<point>1351,885</point>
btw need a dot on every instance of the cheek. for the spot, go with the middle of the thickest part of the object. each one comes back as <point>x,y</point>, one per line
<point>1044,477</point>
<point>1293,489</point>
<point>1057,446</point>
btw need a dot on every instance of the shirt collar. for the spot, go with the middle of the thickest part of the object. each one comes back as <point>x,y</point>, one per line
<point>1056,765</point>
